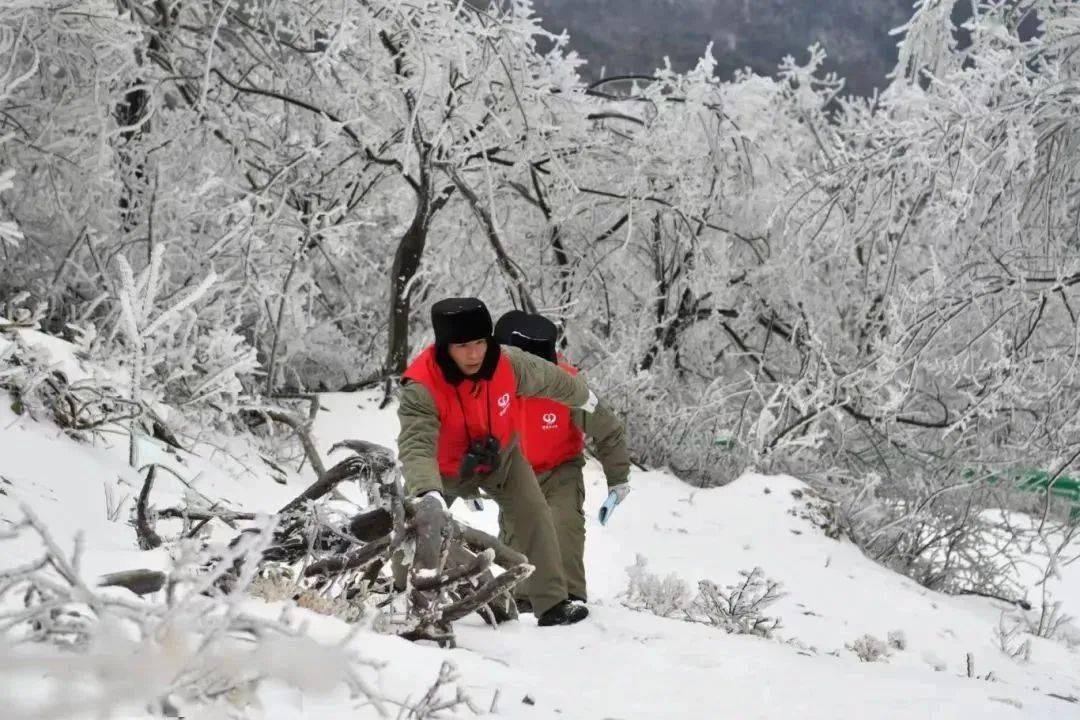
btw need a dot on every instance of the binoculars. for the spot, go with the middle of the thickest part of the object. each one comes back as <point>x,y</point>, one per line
<point>482,458</point>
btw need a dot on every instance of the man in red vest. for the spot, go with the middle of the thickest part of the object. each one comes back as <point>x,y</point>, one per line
<point>553,441</point>
<point>459,408</point>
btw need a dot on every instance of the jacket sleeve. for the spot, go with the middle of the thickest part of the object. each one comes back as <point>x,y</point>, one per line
<point>418,439</point>
<point>607,439</point>
<point>537,377</point>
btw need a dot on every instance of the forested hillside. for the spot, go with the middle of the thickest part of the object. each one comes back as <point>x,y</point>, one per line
<point>625,36</point>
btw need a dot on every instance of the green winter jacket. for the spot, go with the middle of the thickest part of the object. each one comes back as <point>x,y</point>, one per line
<point>419,417</point>
<point>607,440</point>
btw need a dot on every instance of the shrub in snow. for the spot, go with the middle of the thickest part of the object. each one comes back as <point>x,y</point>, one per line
<point>40,389</point>
<point>738,608</point>
<point>276,587</point>
<point>960,540</point>
<point>667,597</point>
<point>190,647</point>
<point>1051,622</point>
<point>898,640</point>
<point>869,648</point>
<point>173,355</point>
<point>1008,635</point>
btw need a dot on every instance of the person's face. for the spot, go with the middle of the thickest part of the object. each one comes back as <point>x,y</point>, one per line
<point>468,356</point>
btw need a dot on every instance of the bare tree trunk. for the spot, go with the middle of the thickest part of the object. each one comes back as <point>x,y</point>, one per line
<point>671,322</point>
<point>562,258</point>
<point>410,250</point>
<point>298,255</point>
<point>509,268</point>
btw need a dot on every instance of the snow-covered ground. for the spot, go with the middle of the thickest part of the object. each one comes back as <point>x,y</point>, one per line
<point>619,663</point>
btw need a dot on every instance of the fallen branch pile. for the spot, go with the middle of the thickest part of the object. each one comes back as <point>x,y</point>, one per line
<point>364,558</point>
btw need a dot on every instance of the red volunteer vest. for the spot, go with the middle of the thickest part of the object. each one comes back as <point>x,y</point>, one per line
<point>548,436</point>
<point>464,410</point>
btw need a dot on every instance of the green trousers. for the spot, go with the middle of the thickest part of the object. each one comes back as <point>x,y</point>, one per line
<point>564,494</point>
<point>522,504</point>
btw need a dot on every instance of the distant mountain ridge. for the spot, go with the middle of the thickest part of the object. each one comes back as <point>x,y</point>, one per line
<point>626,36</point>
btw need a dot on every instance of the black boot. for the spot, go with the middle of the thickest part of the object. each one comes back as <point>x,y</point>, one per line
<point>565,613</point>
<point>575,598</point>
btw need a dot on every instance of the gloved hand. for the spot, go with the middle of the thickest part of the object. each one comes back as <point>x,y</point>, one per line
<point>430,517</point>
<point>615,496</point>
<point>434,495</point>
<point>475,504</point>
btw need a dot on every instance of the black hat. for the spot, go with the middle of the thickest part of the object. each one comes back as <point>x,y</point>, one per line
<point>532,333</point>
<point>460,320</point>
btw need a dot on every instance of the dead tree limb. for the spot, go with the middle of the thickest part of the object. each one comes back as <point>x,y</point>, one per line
<point>227,516</point>
<point>371,460</point>
<point>326,482</point>
<point>376,523</point>
<point>160,430</point>
<point>505,556</point>
<point>349,561</point>
<point>444,636</point>
<point>303,431</point>
<point>144,529</point>
<point>479,564</point>
<point>483,215</point>
<point>371,525</point>
<point>140,582</point>
<point>486,593</point>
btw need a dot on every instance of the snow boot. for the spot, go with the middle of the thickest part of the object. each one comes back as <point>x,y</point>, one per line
<point>565,613</point>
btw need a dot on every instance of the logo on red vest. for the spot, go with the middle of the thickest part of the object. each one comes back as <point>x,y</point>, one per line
<point>504,403</point>
<point>550,420</point>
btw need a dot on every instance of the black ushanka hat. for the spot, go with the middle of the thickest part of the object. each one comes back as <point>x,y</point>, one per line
<point>460,320</point>
<point>532,333</point>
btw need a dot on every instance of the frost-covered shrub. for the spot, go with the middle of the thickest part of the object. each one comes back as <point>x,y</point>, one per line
<point>40,387</point>
<point>738,608</point>
<point>1009,638</point>
<point>1051,622</point>
<point>869,648</point>
<point>277,588</point>
<point>666,597</point>
<point>898,640</point>
<point>175,354</point>
<point>190,648</point>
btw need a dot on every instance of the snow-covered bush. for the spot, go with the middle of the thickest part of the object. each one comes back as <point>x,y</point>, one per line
<point>174,355</point>
<point>738,608</point>
<point>37,386</point>
<point>869,648</point>
<point>667,597</point>
<point>946,538</point>
<point>1008,635</point>
<point>1051,621</point>
<point>277,587</point>
<point>187,649</point>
